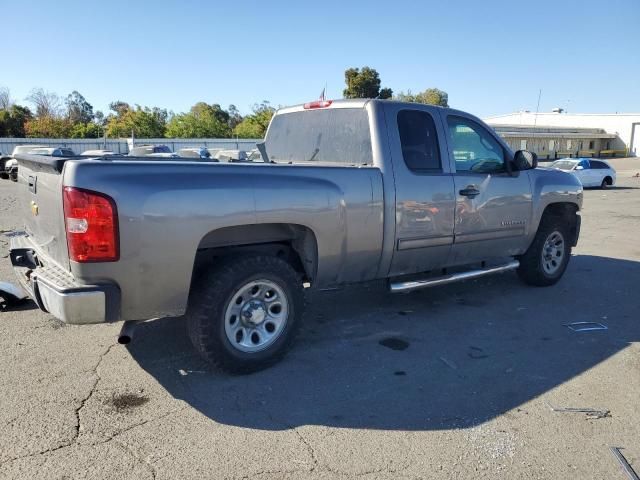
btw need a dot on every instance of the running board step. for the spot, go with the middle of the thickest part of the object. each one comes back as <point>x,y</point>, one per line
<point>397,287</point>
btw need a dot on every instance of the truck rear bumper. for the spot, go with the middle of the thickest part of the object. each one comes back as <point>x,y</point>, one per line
<point>55,291</point>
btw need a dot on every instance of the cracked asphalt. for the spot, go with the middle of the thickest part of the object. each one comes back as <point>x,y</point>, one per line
<point>455,382</point>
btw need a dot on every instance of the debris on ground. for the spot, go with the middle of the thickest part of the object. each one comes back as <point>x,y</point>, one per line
<point>184,373</point>
<point>585,326</point>
<point>590,412</point>
<point>631,474</point>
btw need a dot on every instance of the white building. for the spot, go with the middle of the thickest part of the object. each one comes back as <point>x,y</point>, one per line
<point>624,126</point>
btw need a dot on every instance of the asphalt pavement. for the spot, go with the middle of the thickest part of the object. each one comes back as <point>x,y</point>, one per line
<point>455,382</point>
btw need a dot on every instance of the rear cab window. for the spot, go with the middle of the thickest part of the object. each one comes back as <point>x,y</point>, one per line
<point>332,135</point>
<point>419,141</point>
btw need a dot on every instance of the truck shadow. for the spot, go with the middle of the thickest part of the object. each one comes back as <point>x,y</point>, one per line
<point>449,357</point>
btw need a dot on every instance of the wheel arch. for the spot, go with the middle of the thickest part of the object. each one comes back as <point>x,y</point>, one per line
<point>294,242</point>
<point>568,211</point>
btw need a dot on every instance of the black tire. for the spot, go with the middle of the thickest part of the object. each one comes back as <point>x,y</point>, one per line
<point>532,269</point>
<point>212,295</point>
<point>605,183</point>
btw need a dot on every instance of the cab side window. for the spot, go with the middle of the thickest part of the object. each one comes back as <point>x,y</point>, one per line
<point>474,148</point>
<point>419,141</point>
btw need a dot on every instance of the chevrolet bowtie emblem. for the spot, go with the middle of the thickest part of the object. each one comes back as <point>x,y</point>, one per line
<point>34,208</point>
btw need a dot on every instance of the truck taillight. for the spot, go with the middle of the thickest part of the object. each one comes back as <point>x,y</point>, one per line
<point>317,104</point>
<point>91,222</point>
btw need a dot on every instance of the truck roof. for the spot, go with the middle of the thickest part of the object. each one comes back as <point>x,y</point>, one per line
<point>340,103</point>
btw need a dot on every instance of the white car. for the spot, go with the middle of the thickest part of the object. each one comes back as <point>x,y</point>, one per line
<point>590,172</point>
<point>11,165</point>
<point>97,153</point>
<point>158,151</point>
<point>52,152</point>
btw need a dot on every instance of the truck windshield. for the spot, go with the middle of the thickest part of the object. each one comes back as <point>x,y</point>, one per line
<point>337,135</point>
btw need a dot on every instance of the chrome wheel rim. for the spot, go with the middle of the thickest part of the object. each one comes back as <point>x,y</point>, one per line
<point>256,315</point>
<point>553,253</point>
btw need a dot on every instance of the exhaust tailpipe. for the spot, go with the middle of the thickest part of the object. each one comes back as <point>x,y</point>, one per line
<point>126,333</point>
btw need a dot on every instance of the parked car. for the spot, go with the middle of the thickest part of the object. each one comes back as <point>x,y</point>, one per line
<point>52,151</point>
<point>11,165</point>
<point>590,172</point>
<point>158,151</point>
<point>3,159</point>
<point>349,191</point>
<point>231,155</point>
<point>98,153</point>
<point>194,152</point>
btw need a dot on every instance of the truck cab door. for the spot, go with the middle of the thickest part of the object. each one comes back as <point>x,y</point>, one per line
<point>493,206</point>
<point>425,202</point>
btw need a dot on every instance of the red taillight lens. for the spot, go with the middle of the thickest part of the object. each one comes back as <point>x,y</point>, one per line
<point>91,221</point>
<point>318,104</point>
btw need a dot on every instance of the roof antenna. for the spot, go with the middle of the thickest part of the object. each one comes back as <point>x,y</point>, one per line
<point>535,119</point>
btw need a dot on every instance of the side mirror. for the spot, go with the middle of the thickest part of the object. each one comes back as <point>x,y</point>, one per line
<point>579,167</point>
<point>525,160</point>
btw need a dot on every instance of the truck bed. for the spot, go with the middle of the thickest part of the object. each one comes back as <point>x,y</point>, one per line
<point>168,210</point>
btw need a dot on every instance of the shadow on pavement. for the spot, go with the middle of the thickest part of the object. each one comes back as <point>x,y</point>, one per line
<point>474,351</point>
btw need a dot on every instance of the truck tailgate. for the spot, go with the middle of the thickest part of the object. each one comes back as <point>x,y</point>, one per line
<point>40,201</point>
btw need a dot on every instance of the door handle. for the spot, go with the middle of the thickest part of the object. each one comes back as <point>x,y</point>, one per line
<point>471,191</point>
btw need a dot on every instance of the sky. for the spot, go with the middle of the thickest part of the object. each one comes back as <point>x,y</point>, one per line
<point>491,57</point>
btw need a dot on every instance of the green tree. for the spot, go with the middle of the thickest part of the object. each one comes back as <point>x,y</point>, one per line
<point>78,109</point>
<point>48,127</point>
<point>431,96</point>
<point>13,119</point>
<point>143,122</point>
<point>255,125</point>
<point>86,130</point>
<point>202,121</point>
<point>364,83</point>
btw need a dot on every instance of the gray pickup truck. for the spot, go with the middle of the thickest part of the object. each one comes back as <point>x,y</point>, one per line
<point>346,191</point>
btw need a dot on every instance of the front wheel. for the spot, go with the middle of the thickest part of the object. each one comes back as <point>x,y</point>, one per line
<point>547,258</point>
<point>243,315</point>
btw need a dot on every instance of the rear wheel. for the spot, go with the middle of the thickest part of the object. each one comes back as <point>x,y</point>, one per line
<point>244,314</point>
<point>606,182</point>
<point>547,258</point>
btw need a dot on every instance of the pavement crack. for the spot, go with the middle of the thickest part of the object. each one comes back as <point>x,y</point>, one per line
<point>136,425</point>
<point>73,441</point>
<point>310,449</point>
<point>91,392</point>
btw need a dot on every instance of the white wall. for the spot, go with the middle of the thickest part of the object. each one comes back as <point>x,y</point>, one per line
<point>616,123</point>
